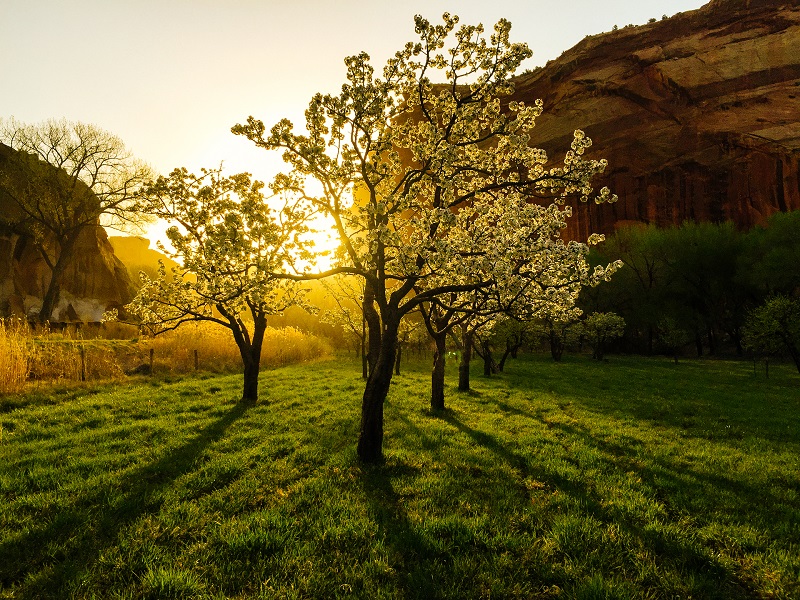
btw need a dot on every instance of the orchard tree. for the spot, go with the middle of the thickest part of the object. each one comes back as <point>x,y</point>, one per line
<point>775,327</point>
<point>62,178</point>
<point>673,335</point>
<point>410,330</point>
<point>348,314</point>
<point>511,334</point>
<point>229,246</point>
<point>601,327</point>
<point>426,172</point>
<point>441,317</point>
<point>506,333</point>
<point>557,331</point>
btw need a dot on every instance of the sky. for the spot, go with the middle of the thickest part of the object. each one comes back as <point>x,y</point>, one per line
<point>170,77</point>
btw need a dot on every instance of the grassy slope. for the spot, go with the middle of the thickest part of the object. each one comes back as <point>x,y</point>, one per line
<point>636,478</point>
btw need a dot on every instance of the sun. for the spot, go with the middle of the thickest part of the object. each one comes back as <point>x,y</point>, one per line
<point>324,240</point>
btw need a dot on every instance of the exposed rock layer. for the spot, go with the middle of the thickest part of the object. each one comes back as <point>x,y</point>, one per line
<point>698,115</point>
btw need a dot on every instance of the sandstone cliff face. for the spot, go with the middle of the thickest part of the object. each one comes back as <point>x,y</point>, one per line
<point>95,280</point>
<point>698,115</point>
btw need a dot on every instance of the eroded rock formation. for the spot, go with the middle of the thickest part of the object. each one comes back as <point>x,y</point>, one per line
<point>698,115</point>
<point>94,281</point>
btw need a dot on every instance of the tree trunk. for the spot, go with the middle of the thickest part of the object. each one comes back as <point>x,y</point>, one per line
<point>364,361</point>
<point>437,375</point>
<point>250,389</point>
<point>794,354</point>
<point>556,346</point>
<point>466,357</point>
<point>599,351</point>
<point>698,342</point>
<point>370,441</point>
<point>501,365</point>
<point>53,292</point>
<point>250,351</point>
<point>488,361</point>
<point>373,322</point>
<point>398,358</point>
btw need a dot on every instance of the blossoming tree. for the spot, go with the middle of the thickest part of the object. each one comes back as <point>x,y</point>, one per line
<point>229,246</point>
<point>428,177</point>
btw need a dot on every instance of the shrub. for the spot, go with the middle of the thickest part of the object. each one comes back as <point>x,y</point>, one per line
<point>14,354</point>
<point>217,351</point>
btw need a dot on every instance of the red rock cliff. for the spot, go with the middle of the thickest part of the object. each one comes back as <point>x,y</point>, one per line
<point>698,115</point>
<point>95,280</point>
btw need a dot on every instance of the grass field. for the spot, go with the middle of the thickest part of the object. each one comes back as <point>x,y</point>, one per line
<point>636,478</point>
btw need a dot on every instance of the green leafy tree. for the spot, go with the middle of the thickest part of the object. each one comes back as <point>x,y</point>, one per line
<point>639,290</point>
<point>430,185</point>
<point>511,334</point>
<point>599,329</point>
<point>771,260</point>
<point>775,327</point>
<point>62,178</point>
<point>230,248</point>
<point>673,335</point>
<point>702,262</point>
<point>556,332</point>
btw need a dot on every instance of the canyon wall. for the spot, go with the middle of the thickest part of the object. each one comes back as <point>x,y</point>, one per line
<point>698,115</point>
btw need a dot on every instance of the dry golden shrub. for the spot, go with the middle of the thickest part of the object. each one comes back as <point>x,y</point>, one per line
<point>56,358</point>
<point>14,354</point>
<point>45,355</point>
<point>117,330</point>
<point>174,350</point>
<point>289,345</point>
<point>217,351</point>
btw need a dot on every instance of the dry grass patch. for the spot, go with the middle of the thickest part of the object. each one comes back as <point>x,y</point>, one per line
<point>217,351</point>
<point>51,356</point>
<point>14,351</point>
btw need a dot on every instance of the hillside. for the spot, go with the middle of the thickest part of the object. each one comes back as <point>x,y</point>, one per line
<point>137,255</point>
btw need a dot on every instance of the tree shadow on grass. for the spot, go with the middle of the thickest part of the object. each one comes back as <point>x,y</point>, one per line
<point>684,491</point>
<point>682,488</point>
<point>55,554</point>
<point>684,557</point>
<point>412,556</point>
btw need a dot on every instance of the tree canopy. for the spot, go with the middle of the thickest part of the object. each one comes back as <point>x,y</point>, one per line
<point>229,245</point>
<point>63,177</point>
<point>427,175</point>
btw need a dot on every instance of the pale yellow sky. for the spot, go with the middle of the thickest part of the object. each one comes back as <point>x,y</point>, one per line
<point>170,77</point>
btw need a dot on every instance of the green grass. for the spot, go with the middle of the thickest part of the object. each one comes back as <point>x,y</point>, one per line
<point>632,479</point>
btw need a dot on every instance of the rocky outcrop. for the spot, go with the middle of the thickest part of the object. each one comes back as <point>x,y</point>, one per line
<point>95,280</point>
<point>698,115</point>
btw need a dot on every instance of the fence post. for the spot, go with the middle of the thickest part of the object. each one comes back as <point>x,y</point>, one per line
<point>83,363</point>
<point>152,352</point>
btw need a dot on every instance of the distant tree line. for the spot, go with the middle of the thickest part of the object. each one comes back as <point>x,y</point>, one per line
<point>705,286</point>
